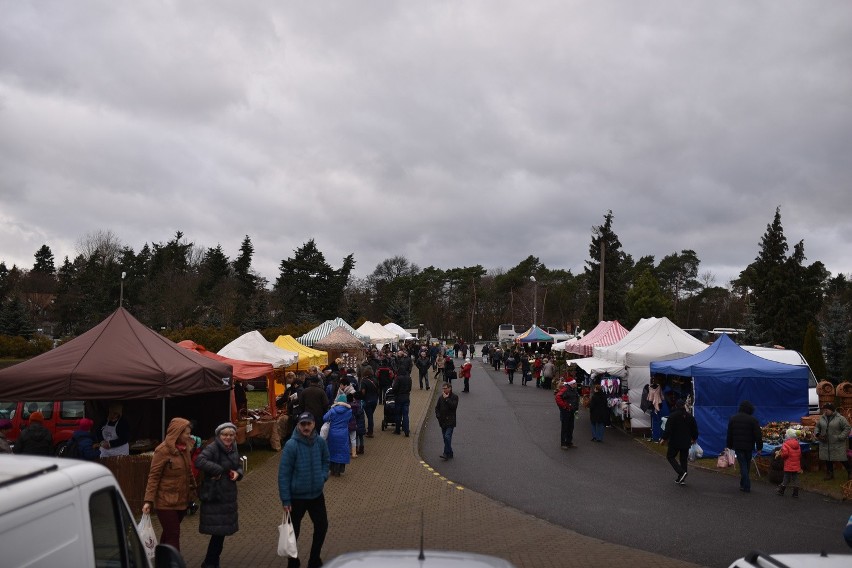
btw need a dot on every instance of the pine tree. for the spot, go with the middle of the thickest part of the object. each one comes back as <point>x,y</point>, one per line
<point>835,331</point>
<point>812,353</point>
<point>617,269</point>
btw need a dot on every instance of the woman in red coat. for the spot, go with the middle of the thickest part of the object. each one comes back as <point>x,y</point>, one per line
<point>465,374</point>
<point>791,453</point>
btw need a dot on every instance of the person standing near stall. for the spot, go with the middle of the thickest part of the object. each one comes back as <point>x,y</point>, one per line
<point>568,402</point>
<point>35,439</point>
<point>598,413</point>
<point>171,486</point>
<point>832,432</point>
<point>220,462</point>
<point>745,438</point>
<point>465,374</point>
<point>115,433</point>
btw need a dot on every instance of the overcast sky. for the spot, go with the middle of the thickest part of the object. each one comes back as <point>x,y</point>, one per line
<point>452,133</point>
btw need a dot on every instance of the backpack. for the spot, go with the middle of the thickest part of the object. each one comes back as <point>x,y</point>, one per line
<point>70,448</point>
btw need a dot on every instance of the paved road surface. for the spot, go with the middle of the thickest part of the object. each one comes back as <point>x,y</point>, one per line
<point>507,447</point>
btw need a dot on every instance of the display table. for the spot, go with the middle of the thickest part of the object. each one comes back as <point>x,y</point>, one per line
<point>255,430</point>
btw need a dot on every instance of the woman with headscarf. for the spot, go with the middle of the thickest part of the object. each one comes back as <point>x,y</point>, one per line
<point>171,486</point>
<point>115,433</point>
<point>220,462</point>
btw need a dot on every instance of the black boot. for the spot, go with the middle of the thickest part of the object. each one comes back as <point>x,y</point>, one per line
<point>795,492</point>
<point>781,490</point>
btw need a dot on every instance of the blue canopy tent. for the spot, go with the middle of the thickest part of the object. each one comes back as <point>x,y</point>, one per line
<point>724,374</point>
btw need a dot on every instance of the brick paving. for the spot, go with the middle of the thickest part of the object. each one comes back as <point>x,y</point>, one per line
<point>378,503</point>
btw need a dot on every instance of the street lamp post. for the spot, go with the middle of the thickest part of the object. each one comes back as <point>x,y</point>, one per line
<point>535,299</point>
<point>121,292</point>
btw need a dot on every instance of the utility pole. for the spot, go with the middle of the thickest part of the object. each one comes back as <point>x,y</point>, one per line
<point>601,283</point>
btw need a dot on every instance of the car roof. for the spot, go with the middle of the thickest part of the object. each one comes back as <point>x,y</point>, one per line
<point>410,558</point>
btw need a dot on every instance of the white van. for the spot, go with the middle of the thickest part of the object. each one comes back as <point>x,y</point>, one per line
<point>64,512</point>
<point>791,358</point>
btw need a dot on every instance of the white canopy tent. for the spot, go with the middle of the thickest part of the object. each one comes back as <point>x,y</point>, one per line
<point>657,340</point>
<point>252,346</point>
<point>378,335</point>
<point>398,330</point>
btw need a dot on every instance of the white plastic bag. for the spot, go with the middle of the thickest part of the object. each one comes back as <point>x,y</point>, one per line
<point>324,430</point>
<point>147,535</point>
<point>731,455</point>
<point>287,537</point>
<point>695,452</point>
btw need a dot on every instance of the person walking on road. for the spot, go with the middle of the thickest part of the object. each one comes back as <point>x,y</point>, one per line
<point>220,462</point>
<point>370,396</point>
<point>302,474</point>
<point>680,433</point>
<point>745,438</point>
<point>832,431</point>
<point>445,412</point>
<point>568,402</point>
<point>598,413</point>
<point>338,417</point>
<point>314,399</point>
<point>171,485</point>
<point>511,365</point>
<point>465,374</point>
<point>423,363</point>
<point>402,398</point>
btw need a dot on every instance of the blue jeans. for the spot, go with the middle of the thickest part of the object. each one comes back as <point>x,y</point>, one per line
<point>369,409</point>
<point>448,441</point>
<point>744,459</point>
<point>402,415</point>
<point>598,430</point>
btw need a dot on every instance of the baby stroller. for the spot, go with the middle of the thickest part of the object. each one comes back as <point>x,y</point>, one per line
<point>390,409</point>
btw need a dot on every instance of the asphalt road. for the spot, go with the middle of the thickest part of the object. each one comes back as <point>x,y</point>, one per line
<point>507,447</point>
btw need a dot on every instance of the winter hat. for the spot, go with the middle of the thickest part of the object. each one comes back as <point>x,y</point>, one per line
<point>225,426</point>
<point>86,424</point>
<point>36,417</point>
<point>791,433</point>
<point>305,417</point>
<point>570,382</point>
<point>340,398</point>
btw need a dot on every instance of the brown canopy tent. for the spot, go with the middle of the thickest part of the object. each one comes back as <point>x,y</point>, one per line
<point>341,343</point>
<point>120,359</point>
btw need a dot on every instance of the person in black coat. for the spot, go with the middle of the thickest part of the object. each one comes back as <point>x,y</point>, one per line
<point>221,465</point>
<point>598,413</point>
<point>402,398</point>
<point>35,439</point>
<point>744,437</point>
<point>445,412</point>
<point>680,433</point>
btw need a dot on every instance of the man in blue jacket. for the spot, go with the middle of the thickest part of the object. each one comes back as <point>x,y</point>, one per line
<point>301,476</point>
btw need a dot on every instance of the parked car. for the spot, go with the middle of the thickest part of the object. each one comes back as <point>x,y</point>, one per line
<point>701,334</point>
<point>61,417</point>
<point>506,332</point>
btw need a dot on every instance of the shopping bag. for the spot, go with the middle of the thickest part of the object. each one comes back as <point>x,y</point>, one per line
<point>695,452</point>
<point>324,430</point>
<point>722,460</point>
<point>147,535</point>
<point>287,537</point>
<point>731,456</point>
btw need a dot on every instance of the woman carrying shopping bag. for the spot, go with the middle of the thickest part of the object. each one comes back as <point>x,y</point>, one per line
<point>220,462</point>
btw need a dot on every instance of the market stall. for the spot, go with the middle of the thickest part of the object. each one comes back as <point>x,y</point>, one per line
<point>342,344</point>
<point>605,333</point>
<point>326,327</point>
<point>724,374</point>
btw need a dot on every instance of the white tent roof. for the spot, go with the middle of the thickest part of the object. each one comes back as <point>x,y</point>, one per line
<point>659,341</point>
<point>398,330</point>
<point>609,351</point>
<point>594,365</point>
<point>252,346</point>
<point>376,333</point>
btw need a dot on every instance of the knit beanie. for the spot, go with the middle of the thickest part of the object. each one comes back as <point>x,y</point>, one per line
<point>86,424</point>
<point>224,426</point>
<point>36,417</point>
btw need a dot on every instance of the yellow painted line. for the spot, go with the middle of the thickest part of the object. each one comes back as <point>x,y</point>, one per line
<point>459,487</point>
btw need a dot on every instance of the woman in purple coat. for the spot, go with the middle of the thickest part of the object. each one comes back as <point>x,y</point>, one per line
<point>338,417</point>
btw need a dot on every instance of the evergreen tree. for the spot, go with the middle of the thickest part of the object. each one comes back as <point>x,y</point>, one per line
<point>785,293</point>
<point>835,332</point>
<point>847,361</point>
<point>646,299</point>
<point>617,271</point>
<point>812,352</point>
<point>44,261</point>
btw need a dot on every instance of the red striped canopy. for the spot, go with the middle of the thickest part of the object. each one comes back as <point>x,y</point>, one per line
<point>605,333</point>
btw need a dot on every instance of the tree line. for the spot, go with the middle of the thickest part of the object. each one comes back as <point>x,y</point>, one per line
<point>187,291</point>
